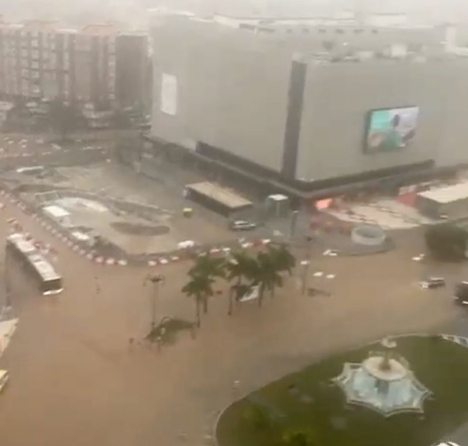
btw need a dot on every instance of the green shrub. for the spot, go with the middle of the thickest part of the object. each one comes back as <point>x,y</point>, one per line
<point>446,242</point>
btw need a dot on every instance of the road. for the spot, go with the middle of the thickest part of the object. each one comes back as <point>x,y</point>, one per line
<point>75,380</point>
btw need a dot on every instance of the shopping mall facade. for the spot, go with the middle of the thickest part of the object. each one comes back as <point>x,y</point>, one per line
<point>307,105</point>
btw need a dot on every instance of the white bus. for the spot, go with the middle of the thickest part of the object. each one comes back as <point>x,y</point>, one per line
<point>35,264</point>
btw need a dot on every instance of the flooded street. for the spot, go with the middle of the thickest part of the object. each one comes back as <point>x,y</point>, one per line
<point>75,379</point>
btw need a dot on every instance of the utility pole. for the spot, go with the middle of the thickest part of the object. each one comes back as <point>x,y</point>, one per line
<point>292,229</point>
<point>305,263</point>
<point>7,280</point>
<point>155,281</point>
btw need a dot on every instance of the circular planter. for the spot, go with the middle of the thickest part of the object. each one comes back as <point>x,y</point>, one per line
<point>368,235</point>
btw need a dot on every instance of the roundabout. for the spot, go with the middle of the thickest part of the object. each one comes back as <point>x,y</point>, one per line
<point>409,393</point>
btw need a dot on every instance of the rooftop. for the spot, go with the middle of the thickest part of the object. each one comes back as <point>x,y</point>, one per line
<point>447,194</point>
<point>43,267</point>
<point>343,20</point>
<point>222,195</point>
<point>94,29</point>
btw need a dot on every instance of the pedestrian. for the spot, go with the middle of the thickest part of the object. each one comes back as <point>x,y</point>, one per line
<point>130,342</point>
<point>98,287</point>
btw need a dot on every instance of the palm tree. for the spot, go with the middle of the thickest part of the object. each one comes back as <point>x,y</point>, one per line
<point>200,288</point>
<point>238,267</point>
<point>209,265</point>
<point>299,438</point>
<point>266,275</point>
<point>284,260</point>
<point>210,268</point>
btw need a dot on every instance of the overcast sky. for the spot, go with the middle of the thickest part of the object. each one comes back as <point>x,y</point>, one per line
<point>83,11</point>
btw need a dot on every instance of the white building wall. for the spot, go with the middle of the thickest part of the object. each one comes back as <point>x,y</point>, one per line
<point>232,93</point>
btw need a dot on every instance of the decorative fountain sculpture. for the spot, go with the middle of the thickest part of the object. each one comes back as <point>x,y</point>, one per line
<point>383,382</point>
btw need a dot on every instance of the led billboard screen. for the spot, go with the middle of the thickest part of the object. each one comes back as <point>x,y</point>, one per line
<point>390,129</point>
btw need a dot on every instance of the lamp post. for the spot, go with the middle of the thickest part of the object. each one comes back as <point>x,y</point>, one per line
<point>155,280</point>
<point>293,224</point>
<point>7,281</point>
<point>305,263</point>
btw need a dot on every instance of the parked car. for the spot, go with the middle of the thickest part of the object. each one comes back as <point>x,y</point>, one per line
<point>3,379</point>
<point>461,293</point>
<point>242,225</point>
<point>433,282</point>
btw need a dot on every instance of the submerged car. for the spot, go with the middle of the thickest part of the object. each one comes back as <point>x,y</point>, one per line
<point>242,225</point>
<point>433,282</point>
<point>461,293</point>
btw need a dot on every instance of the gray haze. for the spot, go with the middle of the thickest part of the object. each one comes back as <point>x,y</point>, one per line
<point>133,13</point>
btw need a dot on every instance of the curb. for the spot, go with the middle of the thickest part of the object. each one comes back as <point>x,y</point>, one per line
<point>100,259</point>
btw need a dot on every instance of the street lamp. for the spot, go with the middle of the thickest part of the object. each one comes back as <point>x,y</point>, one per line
<point>305,263</point>
<point>155,280</point>
<point>7,281</point>
<point>293,224</point>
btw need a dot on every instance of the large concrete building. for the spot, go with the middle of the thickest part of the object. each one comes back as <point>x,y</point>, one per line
<point>293,100</point>
<point>96,66</point>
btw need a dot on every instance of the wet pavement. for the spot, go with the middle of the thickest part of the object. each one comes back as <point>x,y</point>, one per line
<point>75,379</point>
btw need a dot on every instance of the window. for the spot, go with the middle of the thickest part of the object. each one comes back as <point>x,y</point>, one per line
<point>339,31</point>
<point>375,31</point>
<point>322,31</point>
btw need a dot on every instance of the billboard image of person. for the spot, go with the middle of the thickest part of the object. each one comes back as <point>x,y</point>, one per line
<point>391,129</point>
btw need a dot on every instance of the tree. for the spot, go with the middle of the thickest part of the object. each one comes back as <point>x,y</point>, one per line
<point>266,275</point>
<point>238,267</point>
<point>208,264</point>
<point>209,267</point>
<point>63,118</point>
<point>200,288</point>
<point>446,242</point>
<point>282,257</point>
<point>299,438</point>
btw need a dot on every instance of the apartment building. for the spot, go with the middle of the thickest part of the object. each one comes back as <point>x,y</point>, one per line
<point>39,60</point>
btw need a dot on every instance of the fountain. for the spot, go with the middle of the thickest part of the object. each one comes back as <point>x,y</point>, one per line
<point>383,382</point>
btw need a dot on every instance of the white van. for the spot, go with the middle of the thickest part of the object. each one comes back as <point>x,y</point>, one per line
<point>3,379</point>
